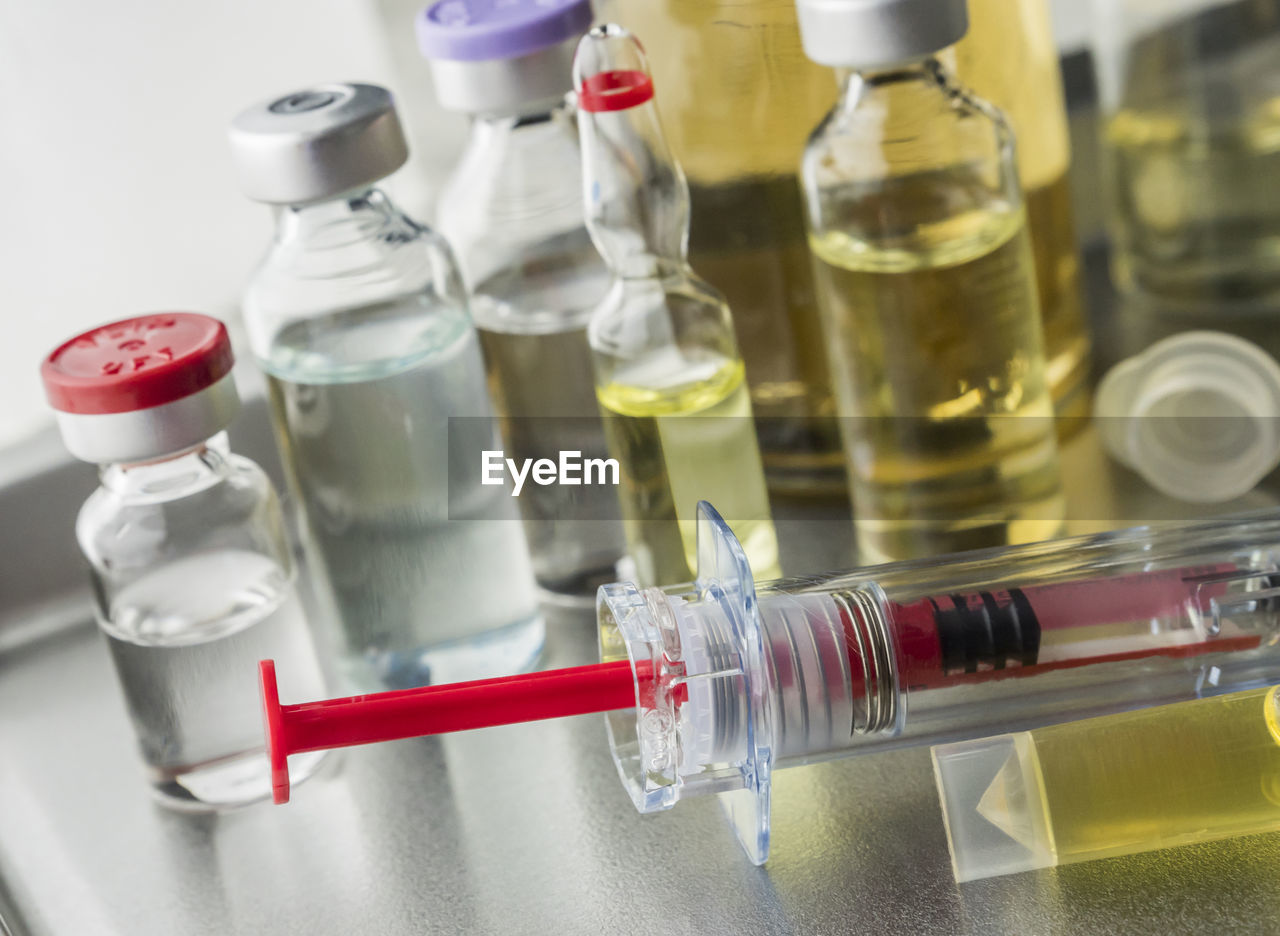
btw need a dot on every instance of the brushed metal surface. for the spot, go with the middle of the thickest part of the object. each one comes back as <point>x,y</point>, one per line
<point>522,829</point>
<point>525,829</point>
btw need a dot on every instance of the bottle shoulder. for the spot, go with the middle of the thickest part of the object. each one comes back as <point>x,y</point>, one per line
<point>132,522</point>
<point>907,167</point>
<point>892,126</point>
<point>359,255</point>
<point>514,207</point>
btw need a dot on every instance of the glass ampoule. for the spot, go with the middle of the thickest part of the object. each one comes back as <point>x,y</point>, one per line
<point>191,568</point>
<point>736,129</point>
<point>512,211</point>
<point>1010,59</point>
<point>927,284</point>
<point>669,378</point>
<point>359,317</point>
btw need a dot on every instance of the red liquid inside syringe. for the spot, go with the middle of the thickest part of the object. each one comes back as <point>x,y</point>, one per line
<point>962,638</point>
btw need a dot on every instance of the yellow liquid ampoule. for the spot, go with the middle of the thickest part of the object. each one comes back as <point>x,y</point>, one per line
<point>1009,58</point>
<point>937,347</point>
<point>1118,785</point>
<point>740,99</point>
<point>679,440</point>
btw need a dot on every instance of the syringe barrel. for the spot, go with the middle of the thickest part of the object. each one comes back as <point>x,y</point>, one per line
<point>929,651</point>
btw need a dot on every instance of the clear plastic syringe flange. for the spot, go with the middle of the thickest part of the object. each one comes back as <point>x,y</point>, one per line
<point>705,700</point>
<point>711,686</point>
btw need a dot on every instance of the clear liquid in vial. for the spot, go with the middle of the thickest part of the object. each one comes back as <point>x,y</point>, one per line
<point>533,329</point>
<point>186,640</point>
<point>425,589</point>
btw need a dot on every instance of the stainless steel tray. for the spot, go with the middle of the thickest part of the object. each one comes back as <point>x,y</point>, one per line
<point>522,829</point>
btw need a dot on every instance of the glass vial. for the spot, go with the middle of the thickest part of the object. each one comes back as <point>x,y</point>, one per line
<point>927,286</point>
<point>512,211</point>
<point>359,318</point>
<point>739,99</point>
<point>669,377</point>
<point>1009,58</point>
<point>186,543</point>
<point>1193,147</point>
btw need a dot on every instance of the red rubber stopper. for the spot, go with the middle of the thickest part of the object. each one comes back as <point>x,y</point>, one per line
<point>411,713</point>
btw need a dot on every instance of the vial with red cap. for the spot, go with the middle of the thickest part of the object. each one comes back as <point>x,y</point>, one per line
<point>191,566</point>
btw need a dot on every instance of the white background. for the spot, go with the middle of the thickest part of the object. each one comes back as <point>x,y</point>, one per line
<point>119,197</point>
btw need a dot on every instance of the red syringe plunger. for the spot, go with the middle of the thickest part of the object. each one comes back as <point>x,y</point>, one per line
<point>411,713</point>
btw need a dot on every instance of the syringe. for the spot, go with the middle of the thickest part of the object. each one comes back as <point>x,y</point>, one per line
<point>711,686</point>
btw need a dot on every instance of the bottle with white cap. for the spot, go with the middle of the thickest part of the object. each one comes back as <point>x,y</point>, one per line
<point>927,289</point>
<point>360,320</point>
<point>512,211</point>
<point>192,571</point>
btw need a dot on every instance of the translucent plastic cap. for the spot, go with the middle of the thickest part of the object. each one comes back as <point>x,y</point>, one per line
<point>871,33</point>
<point>993,807</point>
<point>1197,415</point>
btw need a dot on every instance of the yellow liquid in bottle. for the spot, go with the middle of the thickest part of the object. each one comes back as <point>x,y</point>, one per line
<point>1155,778</point>
<point>935,346</point>
<point>1197,210</point>
<point>1009,58</point>
<point>739,98</point>
<point>678,442</point>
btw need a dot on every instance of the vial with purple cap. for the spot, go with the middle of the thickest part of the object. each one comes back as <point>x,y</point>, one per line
<point>512,211</point>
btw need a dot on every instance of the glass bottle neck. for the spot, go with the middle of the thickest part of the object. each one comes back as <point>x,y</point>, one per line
<point>336,222</point>
<point>518,167</point>
<point>857,84</point>
<point>637,197</point>
<point>170,476</point>
<point>531,129</point>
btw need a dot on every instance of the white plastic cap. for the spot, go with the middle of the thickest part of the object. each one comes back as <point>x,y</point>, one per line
<point>993,806</point>
<point>1197,415</point>
<point>872,33</point>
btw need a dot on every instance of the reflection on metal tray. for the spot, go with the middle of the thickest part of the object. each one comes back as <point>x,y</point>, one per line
<point>516,829</point>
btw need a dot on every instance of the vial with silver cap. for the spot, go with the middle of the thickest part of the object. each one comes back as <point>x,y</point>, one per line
<point>192,572</point>
<point>359,318</point>
<point>668,375</point>
<point>512,211</point>
<point>927,289</point>
<point>712,685</point>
